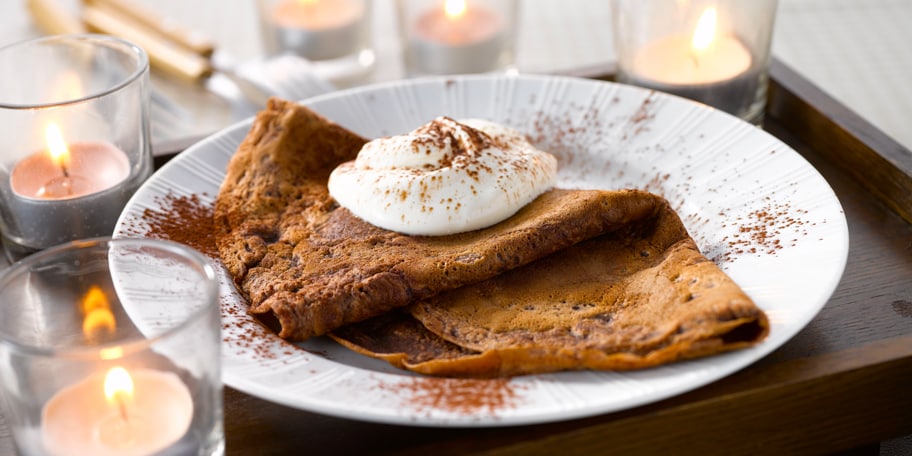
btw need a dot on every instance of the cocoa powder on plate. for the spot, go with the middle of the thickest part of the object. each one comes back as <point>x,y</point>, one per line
<point>186,219</point>
<point>463,396</point>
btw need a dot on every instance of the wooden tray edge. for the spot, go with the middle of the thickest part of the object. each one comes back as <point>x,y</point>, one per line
<point>878,162</point>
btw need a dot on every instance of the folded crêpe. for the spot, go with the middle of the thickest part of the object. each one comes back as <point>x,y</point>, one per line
<point>606,279</point>
<point>636,297</point>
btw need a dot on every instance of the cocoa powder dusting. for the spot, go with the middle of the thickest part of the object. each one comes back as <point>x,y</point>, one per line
<point>459,395</point>
<point>643,113</point>
<point>247,336</point>
<point>764,231</point>
<point>188,219</point>
<point>184,219</point>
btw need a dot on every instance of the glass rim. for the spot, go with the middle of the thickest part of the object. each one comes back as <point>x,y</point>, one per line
<point>142,66</point>
<point>130,345</point>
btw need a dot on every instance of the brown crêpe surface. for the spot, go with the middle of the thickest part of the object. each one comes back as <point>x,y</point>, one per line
<point>307,263</point>
<point>639,296</point>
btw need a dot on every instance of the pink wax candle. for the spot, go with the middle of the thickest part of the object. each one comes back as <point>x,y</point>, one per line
<point>319,29</point>
<point>118,413</point>
<point>457,38</point>
<point>69,171</point>
<point>66,191</point>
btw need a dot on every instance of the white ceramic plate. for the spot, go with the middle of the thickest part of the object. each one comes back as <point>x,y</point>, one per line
<point>753,205</point>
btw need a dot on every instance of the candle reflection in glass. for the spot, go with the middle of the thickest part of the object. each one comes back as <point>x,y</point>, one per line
<point>117,411</point>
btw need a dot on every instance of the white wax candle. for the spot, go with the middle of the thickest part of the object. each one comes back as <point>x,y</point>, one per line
<point>319,29</point>
<point>456,38</point>
<point>713,68</point>
<point>673,60</point>
<point>81,419</point>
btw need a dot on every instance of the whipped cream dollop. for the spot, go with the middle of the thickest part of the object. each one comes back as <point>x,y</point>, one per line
<point>444,177</point>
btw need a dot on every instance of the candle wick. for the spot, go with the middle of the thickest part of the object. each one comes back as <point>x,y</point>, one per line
<point>66,173</point>
<point>122,405</point>
<point>696,61</point>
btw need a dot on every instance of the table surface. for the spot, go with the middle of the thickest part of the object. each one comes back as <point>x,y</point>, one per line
<point>841,383</point>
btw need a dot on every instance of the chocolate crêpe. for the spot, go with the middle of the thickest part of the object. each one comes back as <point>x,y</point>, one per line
<point>636,297</point>
<point>576,279</point>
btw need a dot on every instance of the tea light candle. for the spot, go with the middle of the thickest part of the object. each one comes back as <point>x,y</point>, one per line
<point>68,191</point>
<point>117,413</point>
<point>457,39</point>
<point>65,171</point>
<point>716,70</point>
<point>319,29</point>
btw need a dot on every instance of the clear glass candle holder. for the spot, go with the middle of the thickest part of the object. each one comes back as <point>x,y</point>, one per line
<point>715,52</point>
<point>334,35</point>
<point>75,113</point>
<point>112,347</point>
<point>457,36</point>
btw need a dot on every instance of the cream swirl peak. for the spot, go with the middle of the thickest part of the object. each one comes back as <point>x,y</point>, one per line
<point>445,177</point>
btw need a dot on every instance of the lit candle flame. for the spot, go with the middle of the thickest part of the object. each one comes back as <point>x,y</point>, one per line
<point>118,389</point>
<point>98,317</point>
<point>454,8</point>
<point>57,147</point>
<point>705,31</point>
